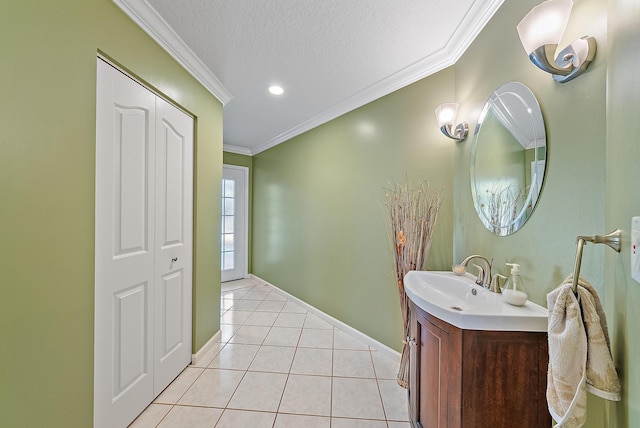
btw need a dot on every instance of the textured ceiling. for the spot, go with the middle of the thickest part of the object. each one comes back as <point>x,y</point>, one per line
<point>330,56</point>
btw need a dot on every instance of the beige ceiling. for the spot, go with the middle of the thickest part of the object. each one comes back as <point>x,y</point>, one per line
<point>330,56</point>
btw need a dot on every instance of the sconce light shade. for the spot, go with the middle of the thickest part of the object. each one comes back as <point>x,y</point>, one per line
<point>541,30</point>
<point>544,24</point>
<point>446,115</point>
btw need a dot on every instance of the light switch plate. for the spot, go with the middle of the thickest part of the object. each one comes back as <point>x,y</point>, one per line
<point>635,248</point>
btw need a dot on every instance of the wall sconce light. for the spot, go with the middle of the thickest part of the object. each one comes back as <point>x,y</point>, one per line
<point>446,115</point>
<point>540,32</point>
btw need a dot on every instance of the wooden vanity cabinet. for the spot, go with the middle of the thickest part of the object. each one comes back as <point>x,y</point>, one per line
<point>475,379</point>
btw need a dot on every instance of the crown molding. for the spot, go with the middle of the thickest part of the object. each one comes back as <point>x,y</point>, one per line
<point>471,25</point>
<point>474,21</point>
<point>155,26</point>
<point>411,74</point>
<point>236,149</point>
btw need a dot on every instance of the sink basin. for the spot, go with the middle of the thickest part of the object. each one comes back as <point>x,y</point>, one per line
<point>451,298</point>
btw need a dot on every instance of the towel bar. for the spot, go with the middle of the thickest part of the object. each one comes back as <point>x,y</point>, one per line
<point>612,240</point>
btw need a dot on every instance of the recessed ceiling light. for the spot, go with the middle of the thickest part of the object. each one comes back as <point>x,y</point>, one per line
<point>276,90</point>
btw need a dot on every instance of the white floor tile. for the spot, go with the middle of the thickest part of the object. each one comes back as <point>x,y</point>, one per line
<point>312,361</point>
<point>386,368</point>
<point>274,295</point>
<point>357,423</point>
<point>151,416</point>
<point>283,336</point>
<point>297,421</point>
<point>213,388</point>
<point>205,359</point>
<point>226,304</point>
<point>270,306</point>
<point>276,365</point>
<point>342,340</point>
<point>288,319</point>
<point>240,418</point>
<point>179,386</point>
<point>262,318</point>
<point>314,321</point>
<point>293,307</point>
<point>245,305</point>
<point>314,338</point>
<point>259,391</point>
<point>235,294</point>
<point>394,400</point>
<point>347,363</point>
<point>307,395</point>
<point>275,359</point>
<point>256,294</point>
<point>250,335</point>
<point>235,317</point>
<point>235,356</point>
<point>356,398</point>
<point>239,283</point>
<point>192,417</point>
<point>227,331</point>
<point>392,424</point>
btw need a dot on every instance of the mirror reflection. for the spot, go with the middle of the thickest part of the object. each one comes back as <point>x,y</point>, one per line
<point>508,157</point>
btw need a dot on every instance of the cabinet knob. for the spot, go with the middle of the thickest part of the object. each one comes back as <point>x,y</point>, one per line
<point>175,259</point>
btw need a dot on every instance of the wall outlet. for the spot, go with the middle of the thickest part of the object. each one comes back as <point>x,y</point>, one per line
<point>635,248</point>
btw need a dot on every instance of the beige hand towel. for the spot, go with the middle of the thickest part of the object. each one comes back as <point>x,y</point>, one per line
<point>579,353</point>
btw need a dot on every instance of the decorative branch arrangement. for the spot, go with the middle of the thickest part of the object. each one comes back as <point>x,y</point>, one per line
<point>501,205</point>
<point>412,213</point>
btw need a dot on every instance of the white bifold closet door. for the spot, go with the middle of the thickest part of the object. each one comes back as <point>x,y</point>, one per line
<point>143,248</point>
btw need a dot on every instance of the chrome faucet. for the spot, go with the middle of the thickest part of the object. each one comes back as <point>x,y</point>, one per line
<point>484,272</point>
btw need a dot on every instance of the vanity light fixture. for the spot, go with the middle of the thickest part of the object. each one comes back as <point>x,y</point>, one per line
<point>540,32</point>
<point>446,114</point>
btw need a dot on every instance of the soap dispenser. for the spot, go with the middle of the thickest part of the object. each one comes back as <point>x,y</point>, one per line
<point>512,291</point>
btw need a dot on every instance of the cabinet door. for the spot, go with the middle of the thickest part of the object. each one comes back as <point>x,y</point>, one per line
<point>414,370</point>
<point>428,398</point>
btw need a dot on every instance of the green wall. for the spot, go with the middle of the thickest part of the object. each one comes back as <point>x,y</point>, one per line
<point>587,123</point>
<point>319,226</point>
<point>623,202</point>
<point>572,199</point>
<point>318,230</point>
<point>576,183</point>
<point>229,158</point>
<point>47,169</point>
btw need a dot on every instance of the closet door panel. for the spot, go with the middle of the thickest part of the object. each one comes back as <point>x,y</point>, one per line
<point>124,259</point>
<point>172,148</point>
<point>174,213</point>
<point>131,175</point>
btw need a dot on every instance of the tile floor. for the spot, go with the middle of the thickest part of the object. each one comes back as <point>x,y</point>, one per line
<point>279,366</point>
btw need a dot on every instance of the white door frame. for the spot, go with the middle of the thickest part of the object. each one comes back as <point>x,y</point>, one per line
<point>245,227</point>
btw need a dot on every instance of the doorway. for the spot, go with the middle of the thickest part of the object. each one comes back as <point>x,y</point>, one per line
<point>234,227</point>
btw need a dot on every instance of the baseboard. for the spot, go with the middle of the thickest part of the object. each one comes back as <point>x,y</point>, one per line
<point>195,358</point>
<point>374,344</point>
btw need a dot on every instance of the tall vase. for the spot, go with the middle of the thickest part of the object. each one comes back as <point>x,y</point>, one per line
<point>403,370</point>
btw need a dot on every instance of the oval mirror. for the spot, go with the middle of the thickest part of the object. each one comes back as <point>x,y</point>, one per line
<point>508,157</point>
